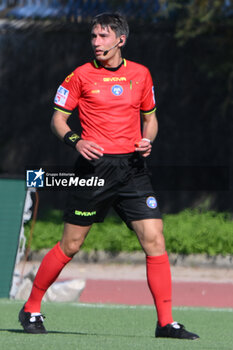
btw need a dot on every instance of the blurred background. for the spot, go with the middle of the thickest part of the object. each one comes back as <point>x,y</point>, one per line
<point>188,47</point>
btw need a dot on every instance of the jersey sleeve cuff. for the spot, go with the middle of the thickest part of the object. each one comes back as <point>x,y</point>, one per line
<point>61,109</point>
<point>150,111</point>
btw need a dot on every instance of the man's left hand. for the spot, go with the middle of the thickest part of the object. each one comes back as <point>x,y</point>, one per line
<point>144,147</point>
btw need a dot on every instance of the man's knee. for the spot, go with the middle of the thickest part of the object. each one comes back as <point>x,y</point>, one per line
<point>73,238</point>
<point>70,248</point>
<point>154,243</point>
<point>150,235</point>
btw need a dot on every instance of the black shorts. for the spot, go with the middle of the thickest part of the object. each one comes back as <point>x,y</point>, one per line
<point>118,181</point>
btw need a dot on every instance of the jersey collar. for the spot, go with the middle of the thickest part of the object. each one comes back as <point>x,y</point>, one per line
<point>97,64</point>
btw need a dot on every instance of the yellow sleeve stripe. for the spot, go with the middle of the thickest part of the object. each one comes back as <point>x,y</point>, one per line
<point>60,110</point>
<point>149,112</point>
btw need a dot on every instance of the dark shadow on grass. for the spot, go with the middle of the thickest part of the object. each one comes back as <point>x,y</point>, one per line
<point>48,332</point>
<point>21,331</point>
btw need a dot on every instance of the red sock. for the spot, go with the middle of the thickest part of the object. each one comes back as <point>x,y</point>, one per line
<point>159,281</point>
<point>50,268</point>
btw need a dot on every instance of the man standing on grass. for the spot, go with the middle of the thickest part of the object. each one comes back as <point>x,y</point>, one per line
<point>110,94</point>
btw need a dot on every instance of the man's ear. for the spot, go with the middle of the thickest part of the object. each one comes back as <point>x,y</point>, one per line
<point>122,40</point>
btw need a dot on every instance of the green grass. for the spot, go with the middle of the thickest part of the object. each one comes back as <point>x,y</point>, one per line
<point>188,232</point>
<point>73,326</point>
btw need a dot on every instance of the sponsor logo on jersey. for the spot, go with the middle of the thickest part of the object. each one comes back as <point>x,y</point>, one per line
<point>67,79</point>
<point>117,90</point>
<point>115,79</point>
<point>61,96</point>
<point>151,202</point>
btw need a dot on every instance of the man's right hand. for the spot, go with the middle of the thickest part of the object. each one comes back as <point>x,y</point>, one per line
<point>89,150</point>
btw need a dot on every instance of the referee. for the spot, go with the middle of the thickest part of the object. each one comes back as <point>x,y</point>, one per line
<point>112,96</point>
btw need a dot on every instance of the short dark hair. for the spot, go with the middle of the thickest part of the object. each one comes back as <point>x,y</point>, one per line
<point>115,21</point>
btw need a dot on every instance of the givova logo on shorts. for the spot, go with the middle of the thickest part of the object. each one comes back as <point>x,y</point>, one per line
<point>151,202</point>
<point>84,213</point>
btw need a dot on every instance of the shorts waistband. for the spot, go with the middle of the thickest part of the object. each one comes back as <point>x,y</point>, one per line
<point>122,155</point>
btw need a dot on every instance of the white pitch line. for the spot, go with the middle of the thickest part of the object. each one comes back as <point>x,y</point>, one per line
<point>119,306</point>
<point>151,307</point>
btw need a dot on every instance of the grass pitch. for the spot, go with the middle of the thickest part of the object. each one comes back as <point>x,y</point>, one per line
<point>73,326</point>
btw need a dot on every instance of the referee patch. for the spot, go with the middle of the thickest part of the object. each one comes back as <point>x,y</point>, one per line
<point>117,90</point>
<point>151,202</point>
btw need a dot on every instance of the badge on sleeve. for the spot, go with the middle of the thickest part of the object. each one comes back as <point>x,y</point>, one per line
<point>61,96</point>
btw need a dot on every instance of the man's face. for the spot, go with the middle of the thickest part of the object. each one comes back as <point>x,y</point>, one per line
<point>103,39</point>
